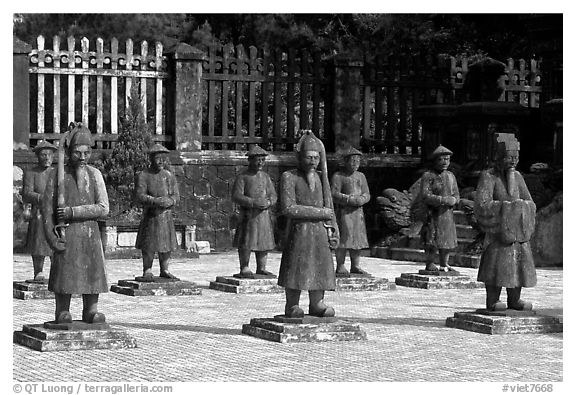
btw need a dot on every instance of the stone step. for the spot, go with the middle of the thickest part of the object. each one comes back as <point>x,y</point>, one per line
<point>466,232</point>
<point>460,217</point>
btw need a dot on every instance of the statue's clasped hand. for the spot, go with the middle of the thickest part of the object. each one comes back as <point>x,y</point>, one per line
<point>261,204</point>
<point>64,214</point>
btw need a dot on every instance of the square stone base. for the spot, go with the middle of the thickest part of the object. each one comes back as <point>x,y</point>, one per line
<point>505,322</point>
<point>30,289</point>
<point>158,287</point>
<point>362,282</point>
<point>75,336</point>
<point>263,284</point>
<point>307,329</point>
<point>437,281</point>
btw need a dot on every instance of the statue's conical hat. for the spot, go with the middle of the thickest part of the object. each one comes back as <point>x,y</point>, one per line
<point>256,151</point>
<point>439,151</point>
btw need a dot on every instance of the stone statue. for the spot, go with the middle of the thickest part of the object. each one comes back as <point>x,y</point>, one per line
<point>306,201</point>
<point>350,192</point>
<point>157,191</point>
<point>505,211</point>
<point>439,192</point>
<point>75,197</point>
<point>254,192</point>
<point>35,181</point>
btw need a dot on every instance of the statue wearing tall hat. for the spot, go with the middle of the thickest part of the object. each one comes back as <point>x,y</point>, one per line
<point>254,193</point>
<point>74,199</point>
<point>306,201</point>
<point>350,192</point>
<point>35,180</point>
<point>157,191</point>
<point>505,211</point>
<point>439,192</point>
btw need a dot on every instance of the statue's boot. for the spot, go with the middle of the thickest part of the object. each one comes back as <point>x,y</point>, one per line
<point>90,312</point>
<point>493,302</point>
<point>147,259</point>
<point>317,306</point>
<point>164,258</point>
<point>444,259</point>
<point>292,308</point>
<point>244,258</point>
<point>431,267</point>
<point>514,301</point>
<point>261,260</point>
<point>62,314</point>
<point>355,263</point>
<point>340,259</point>
<point>38,263</point>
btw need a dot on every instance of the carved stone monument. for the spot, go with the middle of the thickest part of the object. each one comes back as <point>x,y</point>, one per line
<point>157,191</point>
<point>506,212</point>
<point>438,195</point>
<point>33,190</point>
<point>254,193</point>
<point>74,198</point>
<point>307,264</point>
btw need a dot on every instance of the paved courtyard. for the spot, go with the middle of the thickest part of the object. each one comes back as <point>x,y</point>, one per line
<point>198,338</point>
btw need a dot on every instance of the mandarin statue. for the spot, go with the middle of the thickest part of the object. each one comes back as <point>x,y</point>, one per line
<point>505,211</point>
<point>306,201</point>
<point>254,192</point>
<point>74,199</point>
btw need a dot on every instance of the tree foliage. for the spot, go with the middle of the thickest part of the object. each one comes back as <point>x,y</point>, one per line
<point>496,35</point>
<point>129,156</point>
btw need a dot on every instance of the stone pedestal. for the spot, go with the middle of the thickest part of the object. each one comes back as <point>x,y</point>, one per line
<point>71,337</point>
<point>241,285</point>
<point>158,287</point>
<point>307,329</point>
<point>362,282</point>
<point>437,280</point>
<point>32,289</point>
<point>505,322</point>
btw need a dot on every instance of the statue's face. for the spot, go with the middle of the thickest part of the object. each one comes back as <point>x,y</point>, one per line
<point>256,162</point>
<point>309,160</point>
<point>352,163</point>
<point>45,157</point>
<point>79,155</point>
<point>509,160</point>
<point>159,161</point>
<point>442,162</point>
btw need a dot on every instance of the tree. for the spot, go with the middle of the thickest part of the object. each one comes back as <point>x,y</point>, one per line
<point>128,158</point>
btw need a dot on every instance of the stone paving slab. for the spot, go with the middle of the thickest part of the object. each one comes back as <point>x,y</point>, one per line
<point>199,338</point>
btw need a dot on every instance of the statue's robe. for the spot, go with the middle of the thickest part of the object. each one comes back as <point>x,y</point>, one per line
<point>306,258</point>
<point>35,181</point>
<point>156,232</point>
<point>439,228</point>
<point>79,269</point>
<point>255,231</point>
<point>506,213</point>
<point>350,218</point>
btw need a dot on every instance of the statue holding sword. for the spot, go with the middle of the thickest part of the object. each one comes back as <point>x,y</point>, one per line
<point>75,197</point>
